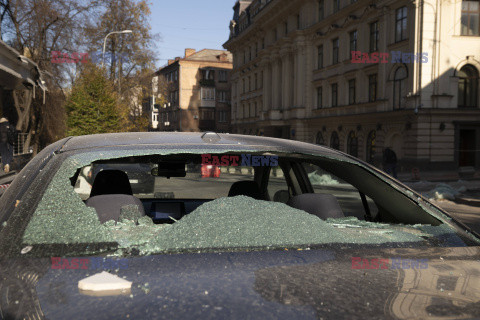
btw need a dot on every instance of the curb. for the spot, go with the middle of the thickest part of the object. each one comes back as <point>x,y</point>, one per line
<point>468,201</point>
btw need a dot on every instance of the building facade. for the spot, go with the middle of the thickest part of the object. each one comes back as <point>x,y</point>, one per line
<point>197,92</point>
<point>361,75</point>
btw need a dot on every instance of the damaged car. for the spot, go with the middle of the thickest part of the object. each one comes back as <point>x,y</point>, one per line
<point>283,229</point>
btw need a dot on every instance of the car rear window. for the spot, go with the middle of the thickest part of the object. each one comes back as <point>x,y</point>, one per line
<point>221,222</point>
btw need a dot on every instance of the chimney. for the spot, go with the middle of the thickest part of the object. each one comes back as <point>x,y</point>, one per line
<point>189,52</point>
<point>177,58</point>
<point>170,61</point>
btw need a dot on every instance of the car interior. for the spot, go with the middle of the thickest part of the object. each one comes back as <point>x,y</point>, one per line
<point>326,188</point>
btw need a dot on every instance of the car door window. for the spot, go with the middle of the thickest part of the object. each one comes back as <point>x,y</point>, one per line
<point>277,186</point>
<point>347,195</point>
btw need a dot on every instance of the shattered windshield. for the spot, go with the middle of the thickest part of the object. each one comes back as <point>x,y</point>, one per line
<point>153,203</point>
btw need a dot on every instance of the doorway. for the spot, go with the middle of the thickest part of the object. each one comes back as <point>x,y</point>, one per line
<point>467,146</point>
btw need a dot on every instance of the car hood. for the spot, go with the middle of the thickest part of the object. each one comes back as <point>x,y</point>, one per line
<point>316,283</point>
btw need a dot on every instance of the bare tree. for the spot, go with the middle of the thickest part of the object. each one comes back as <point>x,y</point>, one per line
<point>132,56</point>
<point>36,28</point>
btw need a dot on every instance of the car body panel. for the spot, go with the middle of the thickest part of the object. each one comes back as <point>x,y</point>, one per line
<point>316,282</point>
<point>306,284</point>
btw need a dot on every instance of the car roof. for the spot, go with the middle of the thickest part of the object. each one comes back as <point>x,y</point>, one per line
<point>184,140</point>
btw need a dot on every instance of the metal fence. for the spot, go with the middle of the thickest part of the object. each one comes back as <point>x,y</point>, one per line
<point>19,148</point>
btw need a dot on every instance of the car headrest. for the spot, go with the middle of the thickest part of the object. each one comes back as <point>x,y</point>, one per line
<point>245,188</point>
<point>320,204</point>
<point>109,206</point>
<point>281,196</point>
<point>111,182</point>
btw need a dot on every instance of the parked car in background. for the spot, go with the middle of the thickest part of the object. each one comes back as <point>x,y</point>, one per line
<point>210,171</point>
<point>299,231</point>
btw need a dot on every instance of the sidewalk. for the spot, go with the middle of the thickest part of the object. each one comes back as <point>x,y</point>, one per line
<point>437,176</point>
<point>468,186</point>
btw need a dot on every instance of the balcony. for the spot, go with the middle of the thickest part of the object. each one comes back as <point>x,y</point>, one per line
<point>207,83</point>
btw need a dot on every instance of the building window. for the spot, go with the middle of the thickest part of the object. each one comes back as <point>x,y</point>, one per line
<point>321,10</point>
<point>222,76</point>
<point>374,36</point>
<point>243,83</point>
<point>222,116</point>
<point>298,22</point>
<point>468,87</point>
<point>470,18</point>
<point>371,146</point>
<point>351,91</point>
<point>372,87</point>
<point>319,139</point>
<point>320,57</point>
<point>249,84</point>
<point>334,140</point>
<point>207,115</point>
<point>401,24</point>
<point>256,82</point>
<point>319,97</point>
<point>208,74</point>
<point>352,144</point>
<point>176,75</point>
<point>334,95</point>
<point>208,93</point>
<point>336,5</point>
<point>335,45</point>
<point>222,96</point>
<point>285,25</point>
<point>399,87</point>
<point>353,42</point>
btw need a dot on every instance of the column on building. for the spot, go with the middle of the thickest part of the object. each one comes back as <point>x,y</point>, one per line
<point>295,77</point>
<point>267,86</point>
<point>286,79</point>
<point>275,83</point>
<point>300,72</point>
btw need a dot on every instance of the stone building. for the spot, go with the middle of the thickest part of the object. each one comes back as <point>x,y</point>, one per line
<point>412,83</point>
<point>198,92</point>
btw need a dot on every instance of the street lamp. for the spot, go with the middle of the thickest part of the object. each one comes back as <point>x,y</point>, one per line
<point>105,42</point>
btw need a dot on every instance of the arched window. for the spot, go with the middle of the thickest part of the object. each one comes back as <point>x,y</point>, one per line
<point>399,80</point>
<point>319,139</point>
<point>371,146</point>
<point>468,87</point>
<point>352,144</point>
<point>334,141</point>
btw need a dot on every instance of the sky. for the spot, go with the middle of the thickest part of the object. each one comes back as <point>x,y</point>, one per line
<point>197,24</point>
